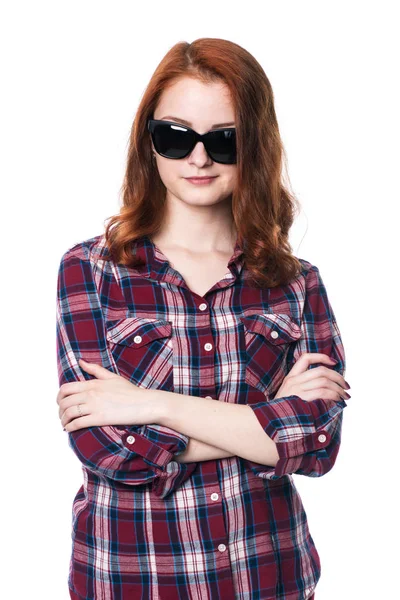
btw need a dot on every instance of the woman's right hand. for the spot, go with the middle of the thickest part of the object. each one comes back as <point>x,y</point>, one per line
<point>311,384</point>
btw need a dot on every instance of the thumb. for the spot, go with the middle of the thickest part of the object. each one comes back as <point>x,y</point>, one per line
<point>97,370</point>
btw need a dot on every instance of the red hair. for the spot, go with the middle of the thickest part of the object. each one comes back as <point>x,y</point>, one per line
<point>263,209</point>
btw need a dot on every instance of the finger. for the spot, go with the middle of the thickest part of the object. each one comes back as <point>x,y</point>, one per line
<point>323,383</point>
<point>73,412</point>
<point>327,372</point>
<point>321,393</point>
<point>308,358</point>
<point>73,400</point>
<point>97,370</point>
<point>79,423</point>
<point>73,387</point>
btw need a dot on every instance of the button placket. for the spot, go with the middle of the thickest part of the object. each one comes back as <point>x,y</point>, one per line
<point>214,496</point>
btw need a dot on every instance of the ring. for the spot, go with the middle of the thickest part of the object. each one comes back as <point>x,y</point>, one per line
<point>79,410</point>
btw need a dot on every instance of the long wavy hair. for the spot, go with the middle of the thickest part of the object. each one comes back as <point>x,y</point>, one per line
<point>263,208</point>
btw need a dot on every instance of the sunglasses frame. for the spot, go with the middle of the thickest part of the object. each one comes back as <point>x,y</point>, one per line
<point>198,137</point>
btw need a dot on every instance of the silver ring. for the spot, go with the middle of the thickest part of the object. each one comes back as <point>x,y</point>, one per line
<point>79,410</point>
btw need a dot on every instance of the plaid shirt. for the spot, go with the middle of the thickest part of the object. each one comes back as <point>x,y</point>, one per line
<point>145,526</point>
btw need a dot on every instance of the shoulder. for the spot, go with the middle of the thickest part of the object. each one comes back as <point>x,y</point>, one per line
<point>307,266</point>
<point>309,274</point>
<point>309,282</point>
<point>314,289</point>
<point>90,249</point>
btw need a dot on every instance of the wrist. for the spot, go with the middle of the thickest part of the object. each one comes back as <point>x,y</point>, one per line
<point>161,405</point>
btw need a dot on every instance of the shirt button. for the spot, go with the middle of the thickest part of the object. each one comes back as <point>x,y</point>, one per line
<point>130,439</point>
<point>208,346</point>
<point>222,547</point>
<point>211,398</point>
<point>274,334</point>
<point>137,339</point>
<point>214,496</point>
<point>322,437</point>
<point>203,306</point>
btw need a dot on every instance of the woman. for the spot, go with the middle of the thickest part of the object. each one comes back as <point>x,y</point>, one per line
<point>195,404</point>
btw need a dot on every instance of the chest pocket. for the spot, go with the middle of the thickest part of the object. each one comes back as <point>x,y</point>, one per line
<point>142,350</point>
<point>267,338</point>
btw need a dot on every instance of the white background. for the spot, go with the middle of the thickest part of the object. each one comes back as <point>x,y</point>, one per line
<point>72,75</point>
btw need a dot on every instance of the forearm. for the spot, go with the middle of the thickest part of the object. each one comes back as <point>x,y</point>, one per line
<point>234,426</point>
<point>198,451</point>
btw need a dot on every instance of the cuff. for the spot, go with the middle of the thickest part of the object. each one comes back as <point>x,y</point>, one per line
<point>156,444</point>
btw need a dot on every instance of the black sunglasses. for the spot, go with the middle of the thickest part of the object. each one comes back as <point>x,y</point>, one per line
<point>173,140</point>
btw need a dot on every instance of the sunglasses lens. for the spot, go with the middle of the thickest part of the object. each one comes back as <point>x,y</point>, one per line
<point>222,146</point>
<point>170,141</point>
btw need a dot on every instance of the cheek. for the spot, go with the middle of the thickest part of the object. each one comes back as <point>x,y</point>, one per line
<point>228,180</point>
<point>166,171</point>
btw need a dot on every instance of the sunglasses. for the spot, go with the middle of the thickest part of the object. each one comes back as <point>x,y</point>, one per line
<point>177,141</point>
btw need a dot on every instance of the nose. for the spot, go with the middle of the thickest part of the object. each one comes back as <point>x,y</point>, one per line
<point>199,155</point>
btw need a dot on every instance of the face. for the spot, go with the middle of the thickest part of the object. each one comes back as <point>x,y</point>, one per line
<point>202,106</point>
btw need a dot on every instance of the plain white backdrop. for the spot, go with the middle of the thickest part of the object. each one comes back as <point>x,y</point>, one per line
<point>72,77</point>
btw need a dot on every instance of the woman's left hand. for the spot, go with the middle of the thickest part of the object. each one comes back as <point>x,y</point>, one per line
<point>108,400</point>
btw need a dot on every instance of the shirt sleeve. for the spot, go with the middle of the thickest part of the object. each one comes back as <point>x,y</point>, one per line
<point>132,455</point>
<point>307,434</point>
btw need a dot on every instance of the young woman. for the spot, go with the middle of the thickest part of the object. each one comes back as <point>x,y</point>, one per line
<point>200,362</point>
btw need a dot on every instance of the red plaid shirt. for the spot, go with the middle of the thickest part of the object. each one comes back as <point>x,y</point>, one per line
<point>145,526</point>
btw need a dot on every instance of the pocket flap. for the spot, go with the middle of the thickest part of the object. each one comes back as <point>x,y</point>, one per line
<point>278,328</point>
<point>137,331</point>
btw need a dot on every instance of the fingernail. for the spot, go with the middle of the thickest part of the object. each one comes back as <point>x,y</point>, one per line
<point>347,395</point>
<point>333,360</point>
<point>348,385</point>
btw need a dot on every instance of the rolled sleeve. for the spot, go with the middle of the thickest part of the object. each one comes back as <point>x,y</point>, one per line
<point>303,447</point>
<point>307,433</point>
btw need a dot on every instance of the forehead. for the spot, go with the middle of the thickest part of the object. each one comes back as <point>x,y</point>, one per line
<point>196,103</point>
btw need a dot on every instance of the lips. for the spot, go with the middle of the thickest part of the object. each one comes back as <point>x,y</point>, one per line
<point>200,178</point>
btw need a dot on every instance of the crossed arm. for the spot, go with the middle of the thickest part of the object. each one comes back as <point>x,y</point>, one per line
<point>203,420</point>
<point>198,451</point>
<point>305,435</point>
